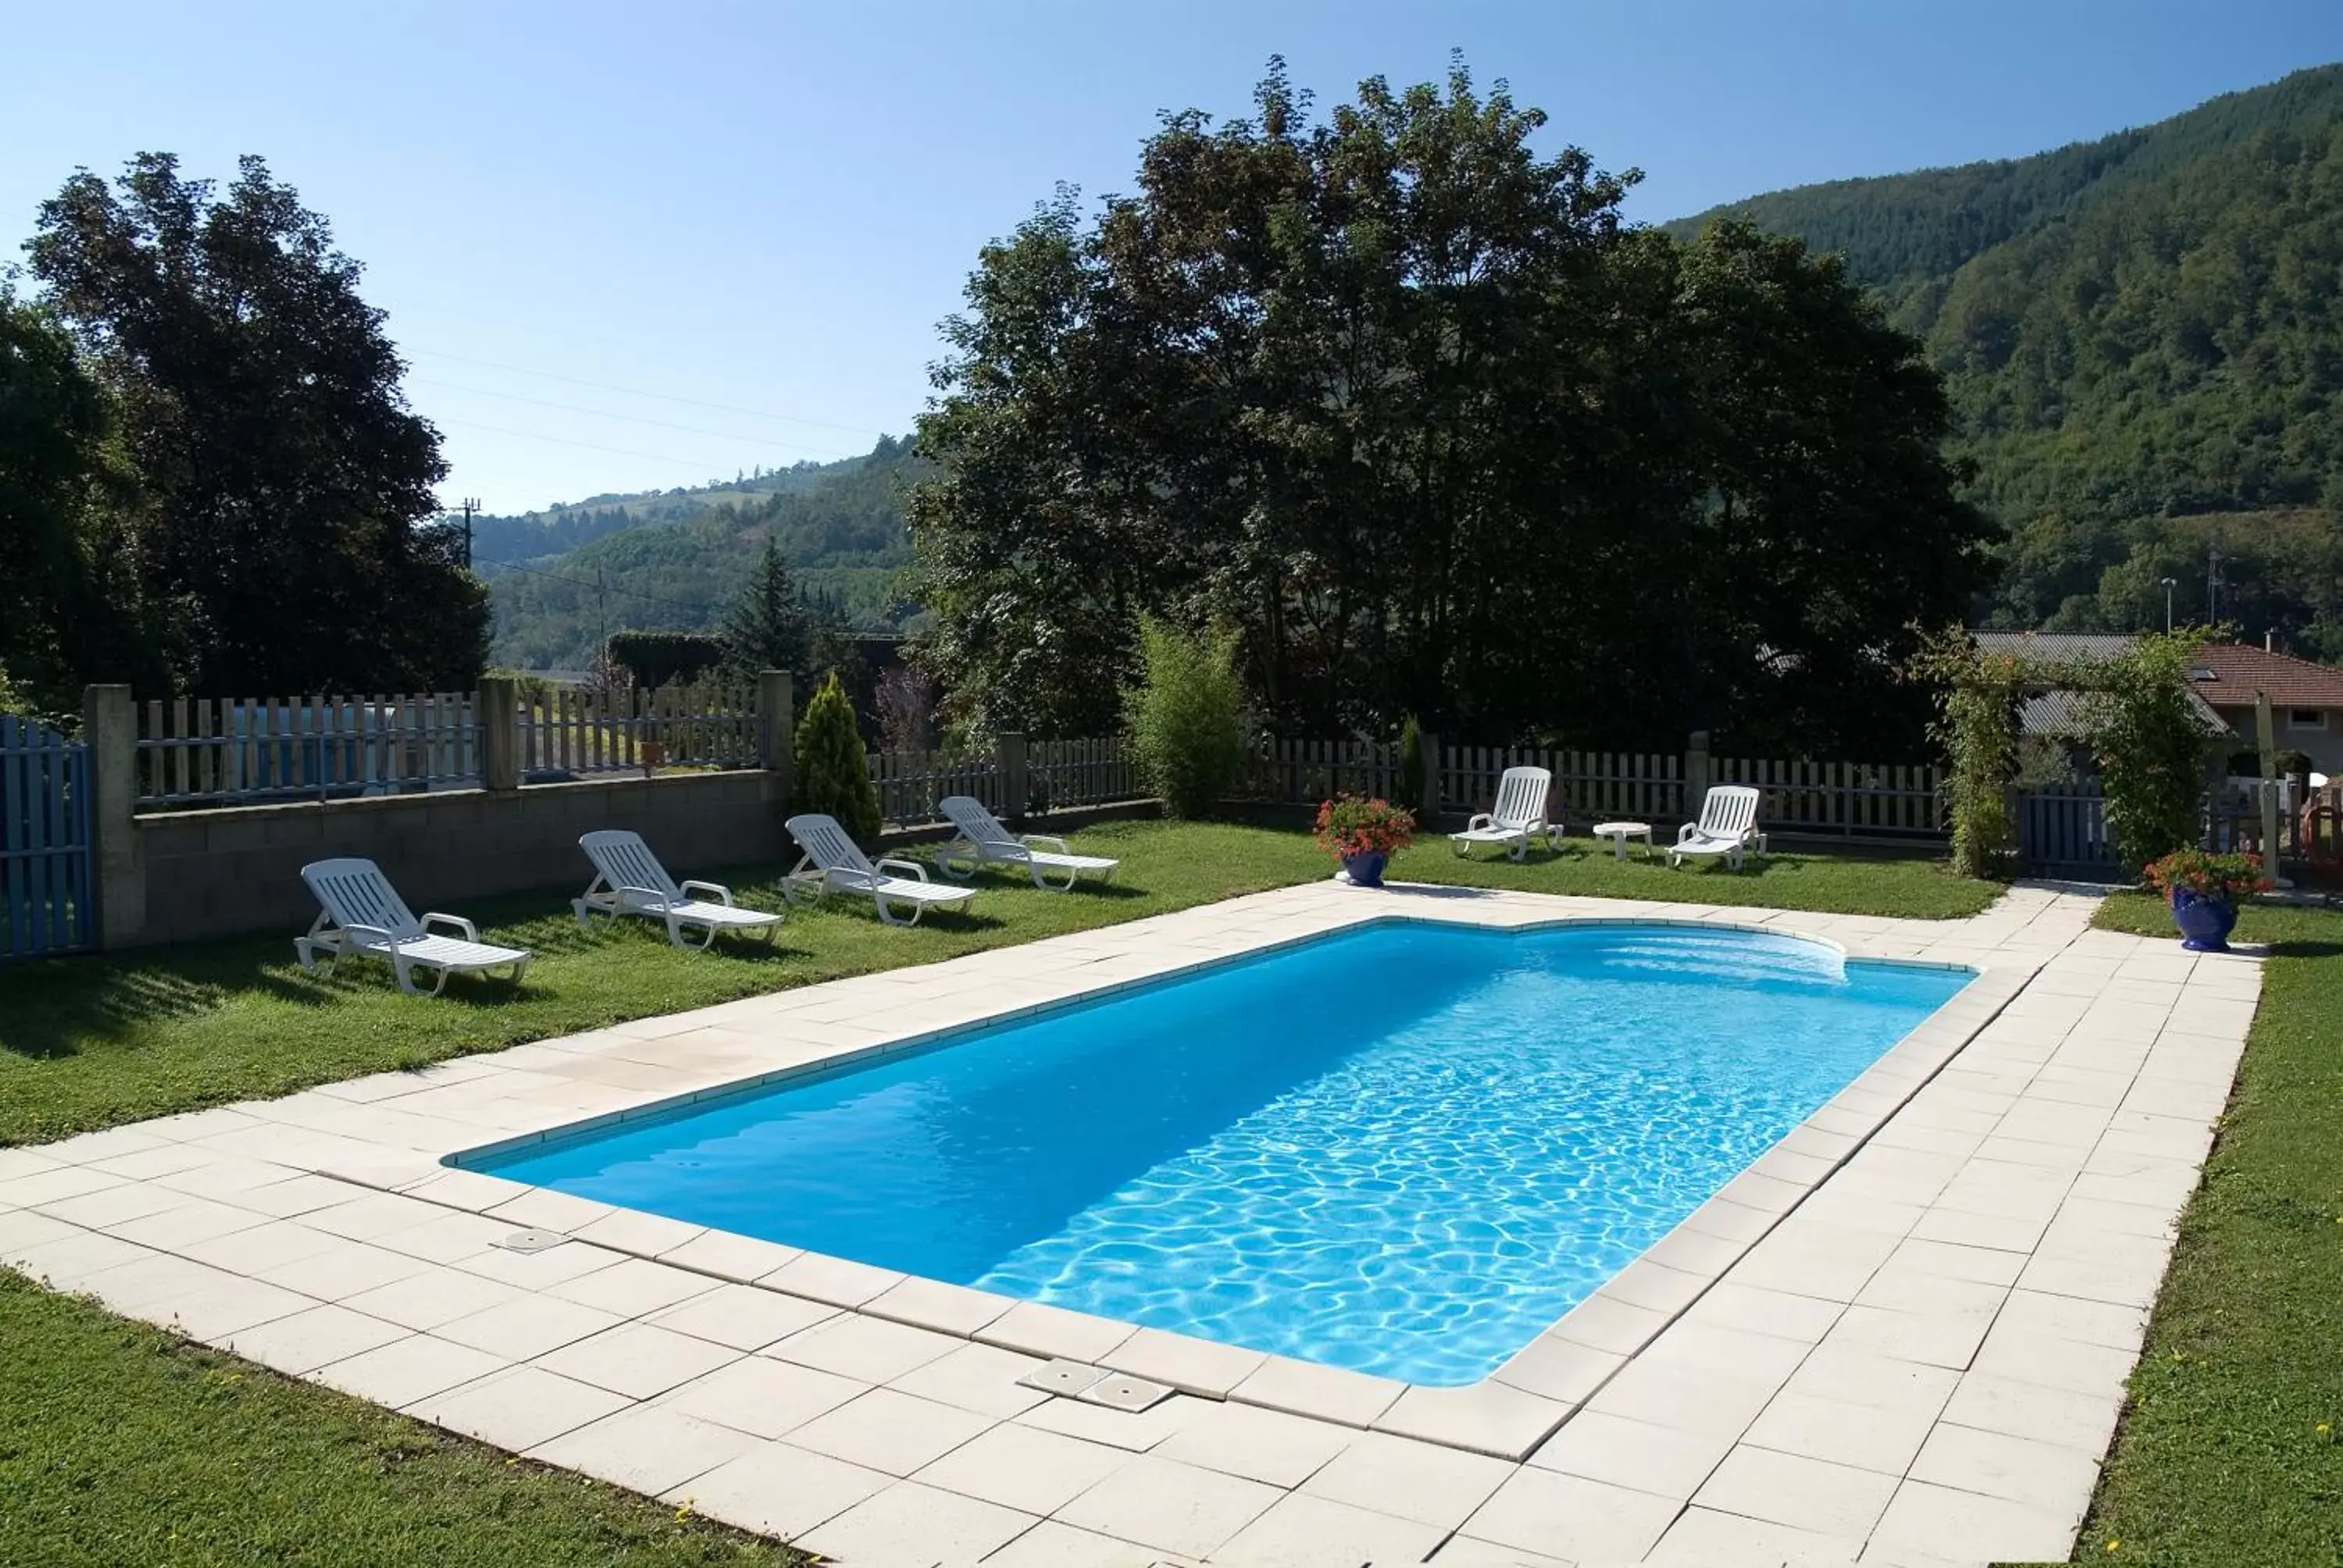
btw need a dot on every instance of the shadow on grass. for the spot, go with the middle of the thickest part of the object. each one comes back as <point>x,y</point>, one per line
<point>2298,949</point>
<point>45,1010</point>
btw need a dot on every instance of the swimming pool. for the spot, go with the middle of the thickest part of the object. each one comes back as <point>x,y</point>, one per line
<point>1405,1148</point>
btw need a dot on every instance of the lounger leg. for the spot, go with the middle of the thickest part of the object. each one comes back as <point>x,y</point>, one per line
<point>579,905</point>
<point>889,916</point>
<point>520,969</point>
<point>302,950</point>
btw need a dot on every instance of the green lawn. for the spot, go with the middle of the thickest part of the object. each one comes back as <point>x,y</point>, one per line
<point>121,1445</point>
<point>87,1043</point>
<point>2230,1452</point>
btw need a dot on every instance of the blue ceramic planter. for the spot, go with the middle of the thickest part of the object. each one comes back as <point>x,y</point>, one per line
<point>2204,923</point>
<point>1366,870</point>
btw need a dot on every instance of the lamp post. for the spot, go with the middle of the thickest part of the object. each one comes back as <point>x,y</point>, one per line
<point>2169,584</point>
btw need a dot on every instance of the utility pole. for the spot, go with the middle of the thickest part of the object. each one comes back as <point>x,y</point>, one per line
<point>471,505</point>
<point>2169,584</point>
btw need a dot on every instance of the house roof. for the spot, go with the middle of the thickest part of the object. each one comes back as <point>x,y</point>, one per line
<point>2066,716</point>
<point>2052,645</point>
<point>2229,674</point>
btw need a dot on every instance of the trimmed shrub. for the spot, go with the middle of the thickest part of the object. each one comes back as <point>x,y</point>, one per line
<point>1415,769</point>
<point>832,771</point>
<point>1186,716</point>
<point>665,658</point>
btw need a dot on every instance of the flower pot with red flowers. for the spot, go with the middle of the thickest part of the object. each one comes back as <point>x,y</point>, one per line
<point>1363,834</point>
<point>2204,889</point>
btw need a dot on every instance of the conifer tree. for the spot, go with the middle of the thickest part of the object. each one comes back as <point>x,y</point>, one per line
<point>833,772</point>
<point>766,628</point>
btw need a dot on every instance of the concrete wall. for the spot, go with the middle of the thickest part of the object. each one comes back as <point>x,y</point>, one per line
<point>223,873</point>
<point>2323,746</point>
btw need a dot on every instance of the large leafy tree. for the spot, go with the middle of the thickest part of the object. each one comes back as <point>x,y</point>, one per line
<point>1406,402</point>
<point>260,406</point>
<point>70,607</point>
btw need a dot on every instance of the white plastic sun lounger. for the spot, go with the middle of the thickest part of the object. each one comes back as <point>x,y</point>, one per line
<point>629,880</point>
<point>1518,815</point>
<point>833,864</point>
<point>363,914</point>
<point>1727,826</point>
<point>983,839</point>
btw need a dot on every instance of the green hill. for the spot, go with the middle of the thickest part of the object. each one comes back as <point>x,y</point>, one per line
<point>2143,339</point>
<point>564,577</point>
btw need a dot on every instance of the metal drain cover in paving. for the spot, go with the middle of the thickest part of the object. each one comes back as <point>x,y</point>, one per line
<point>531,1241</point>
<point>1061,1376</point>
<point>1130,1394</point>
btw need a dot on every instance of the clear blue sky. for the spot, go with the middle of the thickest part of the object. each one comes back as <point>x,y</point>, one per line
<point>769,206</point>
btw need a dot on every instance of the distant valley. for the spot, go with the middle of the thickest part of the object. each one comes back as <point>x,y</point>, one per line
<point>2142,337</point>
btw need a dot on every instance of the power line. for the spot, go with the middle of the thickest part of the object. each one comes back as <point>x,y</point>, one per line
<point>639,392</point>
<point>698,466</point>
<point>631,419</point>
<point>601,587</point>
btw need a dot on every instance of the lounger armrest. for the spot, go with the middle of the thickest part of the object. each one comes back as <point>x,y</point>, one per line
<point>1480,819</point>
<point>913,867</point>
<point>1046,842</point>
<point>716,890</point>
<point>1689,831</point>
<point>471,932</point>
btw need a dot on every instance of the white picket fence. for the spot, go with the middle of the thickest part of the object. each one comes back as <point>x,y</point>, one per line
<point>910,783</point>
<point>1057,774</point>
<point>208,750</point>
<point>1852,799</point>
<point>576,732</point>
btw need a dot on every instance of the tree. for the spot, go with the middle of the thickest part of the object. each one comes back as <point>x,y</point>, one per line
<point>1408,406</point>
<point>765,629</point>
<point>71,607</point>
<point>832,769</point>
<point>260,406</point>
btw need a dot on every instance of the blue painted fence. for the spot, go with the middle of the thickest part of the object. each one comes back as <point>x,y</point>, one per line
<point>2064,833</point>
<point>46,903</point>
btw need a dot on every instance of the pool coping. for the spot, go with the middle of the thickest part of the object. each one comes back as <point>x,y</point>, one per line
<point>1505,1415</point>
<point>1921,1362</point>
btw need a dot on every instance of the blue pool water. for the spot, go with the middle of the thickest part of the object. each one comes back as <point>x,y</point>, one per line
<point>1406,1149</point>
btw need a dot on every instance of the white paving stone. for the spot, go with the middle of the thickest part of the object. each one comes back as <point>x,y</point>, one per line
<point>1907,1325</point>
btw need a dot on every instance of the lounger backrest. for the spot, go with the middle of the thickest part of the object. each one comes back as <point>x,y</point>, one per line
<point>1727,809</point>
<point>979,826</point>
<point>356,893</point>
<point>626,861</point>
<point>827,842</point>
<point>1521,796</point>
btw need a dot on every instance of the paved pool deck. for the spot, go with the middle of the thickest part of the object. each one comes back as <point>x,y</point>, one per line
<point>1901,1337</point>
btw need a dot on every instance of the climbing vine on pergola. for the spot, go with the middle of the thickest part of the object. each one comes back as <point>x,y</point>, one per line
<point>2142,729</point>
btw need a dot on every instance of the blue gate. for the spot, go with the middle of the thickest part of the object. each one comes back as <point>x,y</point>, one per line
<point>2065,834</point>
<point>45,904</point>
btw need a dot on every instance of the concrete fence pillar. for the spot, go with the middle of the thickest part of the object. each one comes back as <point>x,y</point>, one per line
<point>777,719</point>
<point>1011,756</point>
<point>110,724</point>
<point>1431,803</point>
<point>1695,773</point>
<point>500,721</point>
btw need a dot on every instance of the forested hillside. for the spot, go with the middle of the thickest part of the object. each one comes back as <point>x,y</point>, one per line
<point>2143,340</point>
<point>564,577</point>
